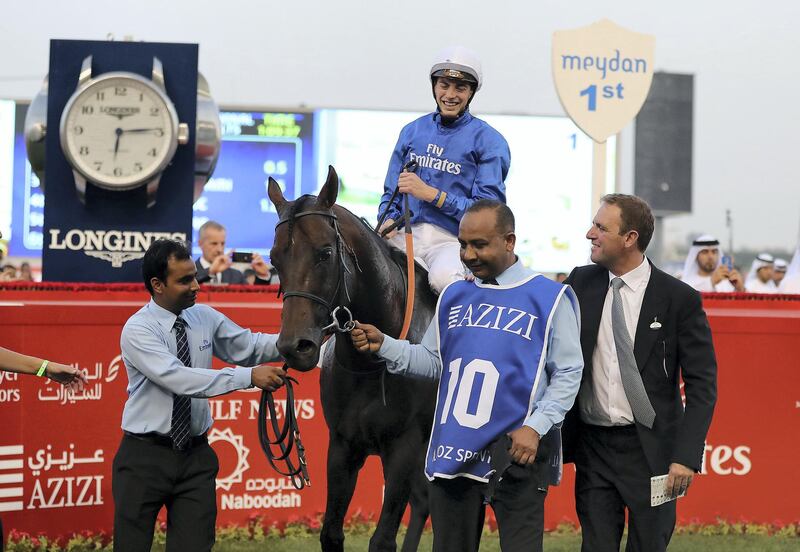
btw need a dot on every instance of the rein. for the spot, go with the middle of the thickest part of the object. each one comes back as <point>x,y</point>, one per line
<point>286,438</point>
<point>411,166</point>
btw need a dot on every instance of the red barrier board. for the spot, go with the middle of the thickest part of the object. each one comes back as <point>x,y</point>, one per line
<point>56,448</point>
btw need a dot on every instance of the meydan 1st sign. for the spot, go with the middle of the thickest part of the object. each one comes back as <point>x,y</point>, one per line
<point>602,74</point>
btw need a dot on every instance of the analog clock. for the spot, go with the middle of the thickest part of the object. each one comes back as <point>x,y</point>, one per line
<point>119,130</point>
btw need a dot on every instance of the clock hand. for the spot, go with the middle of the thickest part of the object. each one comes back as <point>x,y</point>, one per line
<point>118,132</point>
<point>142,129</point>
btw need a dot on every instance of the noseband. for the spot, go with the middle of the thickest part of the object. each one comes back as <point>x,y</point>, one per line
<point>334,311</point>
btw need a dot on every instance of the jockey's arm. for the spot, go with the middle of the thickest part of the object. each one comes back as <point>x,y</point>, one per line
<point>489,182</point>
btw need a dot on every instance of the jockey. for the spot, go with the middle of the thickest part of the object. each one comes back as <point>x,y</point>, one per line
<point>459,158</point>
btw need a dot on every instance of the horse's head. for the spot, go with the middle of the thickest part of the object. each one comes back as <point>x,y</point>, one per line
<point>309,256</point>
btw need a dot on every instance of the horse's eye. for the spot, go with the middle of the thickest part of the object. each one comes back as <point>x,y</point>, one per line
<point>324,255</point>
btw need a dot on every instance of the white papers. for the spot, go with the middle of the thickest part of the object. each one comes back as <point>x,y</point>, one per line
<point>658,490</point>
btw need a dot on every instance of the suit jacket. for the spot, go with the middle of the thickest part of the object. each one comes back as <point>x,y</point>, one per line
<point>682,347</point>
<point>229,275</point>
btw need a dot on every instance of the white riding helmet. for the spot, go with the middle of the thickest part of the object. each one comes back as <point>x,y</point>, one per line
<point>458,63</point>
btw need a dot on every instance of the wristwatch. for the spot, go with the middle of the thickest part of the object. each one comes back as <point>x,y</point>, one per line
<point>119,131</point>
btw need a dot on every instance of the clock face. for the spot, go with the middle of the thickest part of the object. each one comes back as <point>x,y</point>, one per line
<point>119,131</point>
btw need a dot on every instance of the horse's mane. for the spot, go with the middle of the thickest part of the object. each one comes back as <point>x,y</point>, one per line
<point>396,255</point>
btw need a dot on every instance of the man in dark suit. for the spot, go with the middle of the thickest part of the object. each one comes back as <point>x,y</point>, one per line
<point>214,265</point>
<point>641,332</point>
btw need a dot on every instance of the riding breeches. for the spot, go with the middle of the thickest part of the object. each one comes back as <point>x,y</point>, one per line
<point>436,249</point>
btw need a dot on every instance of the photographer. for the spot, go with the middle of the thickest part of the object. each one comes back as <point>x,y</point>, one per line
<point>214,265</point>
<point>705,270</point>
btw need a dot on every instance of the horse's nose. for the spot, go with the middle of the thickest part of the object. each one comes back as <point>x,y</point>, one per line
<point>304,346</point>
<point>300,353</point>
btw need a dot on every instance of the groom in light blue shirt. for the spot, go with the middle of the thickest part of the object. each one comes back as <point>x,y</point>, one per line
<point>164,457</point>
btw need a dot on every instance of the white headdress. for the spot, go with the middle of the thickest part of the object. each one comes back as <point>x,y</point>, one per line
<point>762,260</point>
<point>690,273</point>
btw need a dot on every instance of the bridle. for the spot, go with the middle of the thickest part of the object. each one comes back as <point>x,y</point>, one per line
<point>287,437</point>
<point>334,310</point>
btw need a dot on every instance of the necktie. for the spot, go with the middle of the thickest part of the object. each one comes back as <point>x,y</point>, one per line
<point>181,405</point>
<point>631,378</point>
<point>491,282</point>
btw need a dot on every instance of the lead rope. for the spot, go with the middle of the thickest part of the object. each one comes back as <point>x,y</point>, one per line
<point>286,437</point>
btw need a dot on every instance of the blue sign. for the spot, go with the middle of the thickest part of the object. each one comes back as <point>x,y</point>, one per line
<point>255,147</point>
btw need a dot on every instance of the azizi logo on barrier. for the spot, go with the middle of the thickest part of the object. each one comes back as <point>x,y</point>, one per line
<point>67,490</point>
<point>726,460</point>
<point>114,246</point>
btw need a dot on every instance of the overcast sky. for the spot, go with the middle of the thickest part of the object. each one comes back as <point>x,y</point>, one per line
<point>352,53</point>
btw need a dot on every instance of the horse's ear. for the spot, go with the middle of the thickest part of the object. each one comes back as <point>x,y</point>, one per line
<point>327,195</point>
<point>275,194</point>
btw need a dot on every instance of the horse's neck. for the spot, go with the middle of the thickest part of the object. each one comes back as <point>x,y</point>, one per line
<point>379,294</point>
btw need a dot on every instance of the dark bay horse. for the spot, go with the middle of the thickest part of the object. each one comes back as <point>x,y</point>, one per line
<point>328,258</point>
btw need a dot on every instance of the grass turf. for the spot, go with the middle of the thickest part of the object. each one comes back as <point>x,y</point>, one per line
<point>552,543</point>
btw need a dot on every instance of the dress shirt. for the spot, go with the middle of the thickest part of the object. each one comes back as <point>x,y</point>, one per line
<point>602,397</point>
<point>156,375</point>
<point>555,393</point>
